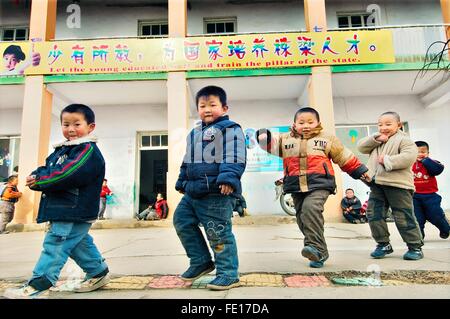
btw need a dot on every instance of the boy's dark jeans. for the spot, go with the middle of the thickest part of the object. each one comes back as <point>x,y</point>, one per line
<point>214,212</point>
<point>401,202</point>
<point>427,207</point>
<point>309,212</point>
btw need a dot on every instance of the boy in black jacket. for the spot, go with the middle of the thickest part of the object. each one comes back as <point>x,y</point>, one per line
<point>70,182</point>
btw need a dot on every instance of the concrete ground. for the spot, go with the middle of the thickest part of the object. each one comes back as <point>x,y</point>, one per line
<point>270,250</point>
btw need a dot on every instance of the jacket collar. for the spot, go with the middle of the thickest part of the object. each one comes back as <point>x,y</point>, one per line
<point>219,119</point>
<point>78,141</point>
<point>315,131</point>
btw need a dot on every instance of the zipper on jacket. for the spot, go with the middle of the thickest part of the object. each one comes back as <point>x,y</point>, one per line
<point>207,183</point>
<point>325,167</point>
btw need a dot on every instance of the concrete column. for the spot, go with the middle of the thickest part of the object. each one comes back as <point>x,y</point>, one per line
<point>445,6</point>
<point>34,143</point>
<point>178,106</point>
<point>320,96</point>
<point>36,115</point>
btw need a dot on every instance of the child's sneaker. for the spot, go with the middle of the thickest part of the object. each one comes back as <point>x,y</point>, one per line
<point>413,254</point>
<point>317,264</point>
<point>195,272</point>
<point>25,292</point>
<point>382,250</point>
<point>92,284</point>
<point>311,253</point>
<point>444,235</point>
<point>223,283</point>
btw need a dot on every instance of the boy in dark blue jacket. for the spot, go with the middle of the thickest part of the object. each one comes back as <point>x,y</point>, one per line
<point>70,182</point>
<point>210,179</point>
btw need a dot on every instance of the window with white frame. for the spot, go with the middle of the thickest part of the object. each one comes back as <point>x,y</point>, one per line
<point>153,28</point>
<point>220,25</point>
<point>352,20</point>
<point>154,141</point>
<point>13,33</point>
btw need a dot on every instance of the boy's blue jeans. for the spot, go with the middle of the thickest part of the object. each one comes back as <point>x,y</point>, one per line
<point>64,240</point>
<point>214,212</point>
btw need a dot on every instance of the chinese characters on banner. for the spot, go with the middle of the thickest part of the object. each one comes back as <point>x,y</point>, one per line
<point>208,53</point>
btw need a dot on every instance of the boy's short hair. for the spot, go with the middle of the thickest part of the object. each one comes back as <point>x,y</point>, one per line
<point>394,114</point>
<point>11,178</point>
<point>307,109</point>
<point>80,108</point>
<point>349,189</point>
<point>16,51</point>
<point>212,90</point>
<point>422,143</point>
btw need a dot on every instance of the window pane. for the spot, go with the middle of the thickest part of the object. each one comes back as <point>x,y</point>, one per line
<point>145,141</point>
<point>220,27</point>
<point>210,28</point>
<point>21,34</point>
<point>164,140</point>
<point>164,29</point>
<point>229,27</point>
<point>8,35</point>
<point>155,140</point>
<point>343,22</point>
<point>146,30</point>
<point>356,21</point>
<point>155,29</point>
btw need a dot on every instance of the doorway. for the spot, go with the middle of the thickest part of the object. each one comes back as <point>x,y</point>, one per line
<point>152,168</point>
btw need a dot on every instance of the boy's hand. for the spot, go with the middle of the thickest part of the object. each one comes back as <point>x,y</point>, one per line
<point>225,189</point>
<point>381,159</point>
<point>366,177</point>
<point>262,138</point>
<point>30,180</point>
<point>382,138</point>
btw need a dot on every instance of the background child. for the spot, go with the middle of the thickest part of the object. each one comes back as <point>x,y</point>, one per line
<point>70,183</point>
<point>309,175</point>
<point>427,202</point>
<point>392,153</point>
<point>209,177</point>
<point>105,192</point>
<point>351,207</point>
<point>9,197</point>
<point>159,210</point>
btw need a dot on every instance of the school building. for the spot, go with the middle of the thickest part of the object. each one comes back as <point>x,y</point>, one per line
<point>143,115</point>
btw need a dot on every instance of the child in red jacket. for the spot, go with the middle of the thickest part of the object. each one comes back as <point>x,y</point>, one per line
<point>427,202</point>
<point>158,210</point>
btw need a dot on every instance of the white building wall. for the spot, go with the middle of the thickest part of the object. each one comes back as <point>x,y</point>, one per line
<point>405,12</point>
<point>10,122</point>
<point>430,125</point>
<point>259,17</point>
<point>98,20</point>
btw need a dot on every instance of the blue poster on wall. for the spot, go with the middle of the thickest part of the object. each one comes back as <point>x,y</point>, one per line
<point>259,160</point>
